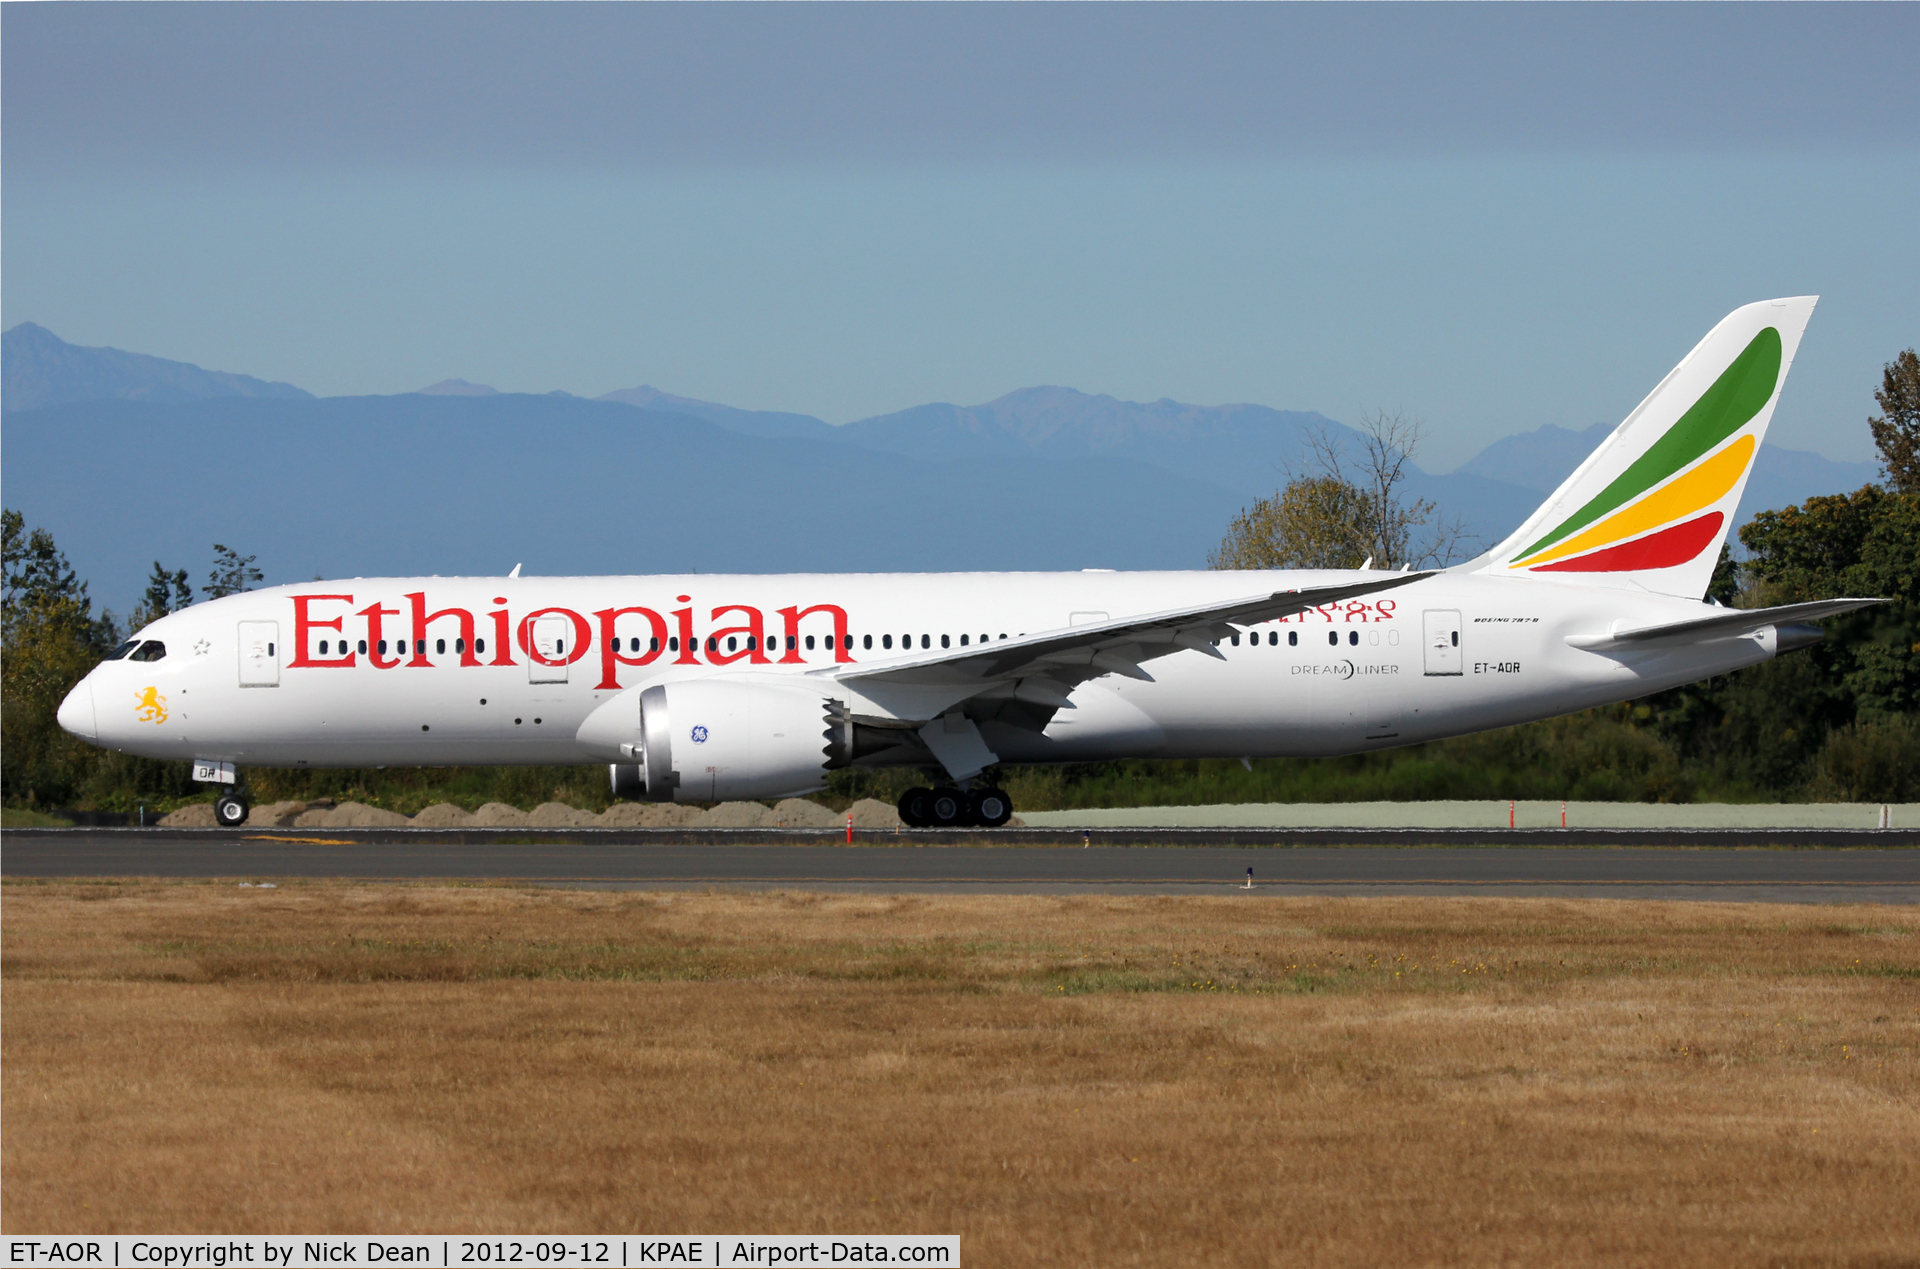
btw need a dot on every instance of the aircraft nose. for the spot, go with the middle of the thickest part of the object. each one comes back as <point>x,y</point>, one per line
<point>76,712</point>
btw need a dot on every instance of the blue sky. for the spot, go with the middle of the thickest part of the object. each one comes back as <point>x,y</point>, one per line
<point>1490,217</point>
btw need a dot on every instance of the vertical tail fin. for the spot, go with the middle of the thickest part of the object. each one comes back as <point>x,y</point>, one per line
<point>1649,508</point>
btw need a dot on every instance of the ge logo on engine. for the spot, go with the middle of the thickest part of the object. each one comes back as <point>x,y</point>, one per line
<point>699,735</point>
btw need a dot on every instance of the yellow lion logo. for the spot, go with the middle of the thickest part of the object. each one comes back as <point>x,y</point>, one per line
<point>151,707</point>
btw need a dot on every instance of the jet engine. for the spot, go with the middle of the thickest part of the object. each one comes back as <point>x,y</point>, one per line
<point>710,740</point>
<point>720,739</point>
<point>723,739</point>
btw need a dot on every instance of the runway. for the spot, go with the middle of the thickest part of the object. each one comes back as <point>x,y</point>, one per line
<point>1807,867</point>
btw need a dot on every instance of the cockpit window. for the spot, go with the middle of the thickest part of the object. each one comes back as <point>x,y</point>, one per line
<point>151,650</point>
<point>122,650</point>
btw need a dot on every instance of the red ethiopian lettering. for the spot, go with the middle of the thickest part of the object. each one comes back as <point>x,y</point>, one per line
<point>688,644</point>
<point>502,644</point>
<point>610,643</point>
<point>755,630</point>
<point>373,613</point>
<point>795,615</point>
<point>422,619</point>
<point>303,623</point>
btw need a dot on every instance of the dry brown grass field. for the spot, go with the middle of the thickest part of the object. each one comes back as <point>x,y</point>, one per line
<point>1240,1079</point>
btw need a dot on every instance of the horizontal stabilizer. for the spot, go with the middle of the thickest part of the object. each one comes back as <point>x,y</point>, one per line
<point>1729,623</point>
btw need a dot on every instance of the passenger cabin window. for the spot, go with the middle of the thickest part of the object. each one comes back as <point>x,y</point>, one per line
<point>963,641</point>
<point>122,650</point>
<point>459,645</point>
<point>1333,637</point>
<point>1235,639</point>
<point>809,643</point>
<point>926,641</point>
<point>1456,638</point>
<point>363,647</point>
<point>886,641</point>
<point>866,641</point>
<point>440,647</point>
<point>1353,637</point>
<point>673,643</point>
<point>383,647</point>
<point>479,645</point>
<point>1293,638</point>
<point>944,643</point>
<point>153,650</point>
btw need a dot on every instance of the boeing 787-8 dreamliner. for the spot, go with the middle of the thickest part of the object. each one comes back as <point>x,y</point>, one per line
<point>706,688</point>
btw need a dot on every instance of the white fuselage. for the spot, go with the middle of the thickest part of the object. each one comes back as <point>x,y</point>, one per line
<point>512,667</point>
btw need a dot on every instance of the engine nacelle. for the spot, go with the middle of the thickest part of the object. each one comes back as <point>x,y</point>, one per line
<point>711,740</point>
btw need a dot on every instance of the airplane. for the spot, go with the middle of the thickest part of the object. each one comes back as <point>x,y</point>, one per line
<point>704,688</point>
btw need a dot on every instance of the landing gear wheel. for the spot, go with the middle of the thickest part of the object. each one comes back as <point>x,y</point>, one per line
<point>231,810</point>
<point>946,807</point>
<point>914,808</point>
<point>989,808</point>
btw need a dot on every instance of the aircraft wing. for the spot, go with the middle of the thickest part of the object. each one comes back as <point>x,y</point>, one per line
<point>1046,667</point>
<point>1728,623</point>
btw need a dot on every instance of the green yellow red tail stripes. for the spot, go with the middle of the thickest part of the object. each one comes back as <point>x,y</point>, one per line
<point>1659,493</point>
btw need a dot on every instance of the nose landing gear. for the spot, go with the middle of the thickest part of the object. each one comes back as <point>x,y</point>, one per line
<point>230,810</point>
<point>948,807</point>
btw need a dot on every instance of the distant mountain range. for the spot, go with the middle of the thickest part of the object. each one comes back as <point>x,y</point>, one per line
<point>128,458</point>
<point>1539,460</point>
<point>38,368</point>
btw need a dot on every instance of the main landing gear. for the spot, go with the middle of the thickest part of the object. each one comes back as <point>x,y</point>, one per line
<point>948,807</point>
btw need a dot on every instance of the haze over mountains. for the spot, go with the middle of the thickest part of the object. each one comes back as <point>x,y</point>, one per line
<point>129,458</point>
<point>39,368</point>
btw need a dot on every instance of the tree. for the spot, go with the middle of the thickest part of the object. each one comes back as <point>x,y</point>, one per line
<point>39,585</point>
<point>232,573</point>
<point>1315,522</point>
<point>51,639</point>
<point>166,592</point>
<point>1863,543</point>
<point>36,572</point>
<point>1897,431</point>
<point>1349,509</point>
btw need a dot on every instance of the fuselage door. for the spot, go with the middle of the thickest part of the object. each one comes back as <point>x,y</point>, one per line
<point>548,638</point>
<point>1441,629</point>
<point>259,654</point>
